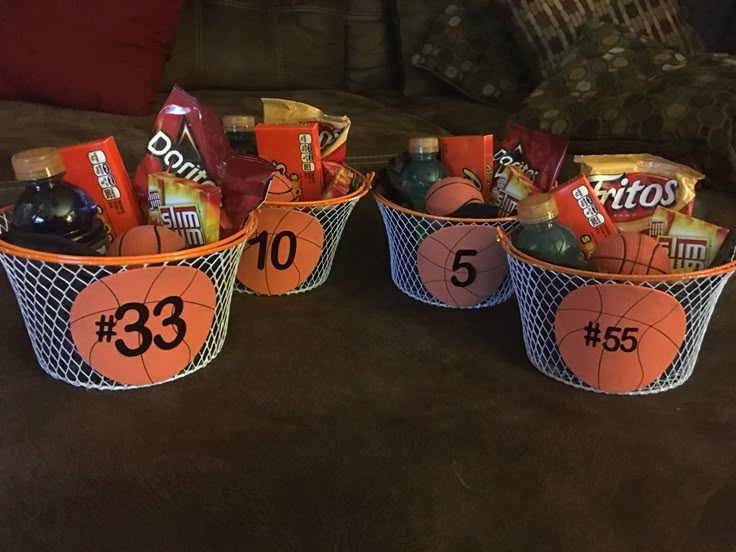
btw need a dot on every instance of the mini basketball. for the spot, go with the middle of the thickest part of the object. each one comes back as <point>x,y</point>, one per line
<point>283,253</point>
<point>282,189</point>
<point>462,266</point>
<point>450,194</point>
<point>145,240</point>
<point>619,338</point>
<point>631,253</point>
<point>143,326</point>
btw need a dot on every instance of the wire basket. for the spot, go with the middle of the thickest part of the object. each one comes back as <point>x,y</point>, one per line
<point>295,244</point>
<point>131,321</point>
<point>445,261</point>
<point>610,333</point>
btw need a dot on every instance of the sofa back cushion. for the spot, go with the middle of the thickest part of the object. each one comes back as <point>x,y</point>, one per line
<point>370,52</point>
<point>259,45</point>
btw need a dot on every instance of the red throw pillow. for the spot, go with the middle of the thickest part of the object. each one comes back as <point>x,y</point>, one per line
<point>103,55</point>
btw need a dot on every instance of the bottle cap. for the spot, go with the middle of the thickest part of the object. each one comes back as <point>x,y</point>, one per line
<point>238,122</point>
<point>425,144</point>
<point>37,163</point>
<point>537,208</point>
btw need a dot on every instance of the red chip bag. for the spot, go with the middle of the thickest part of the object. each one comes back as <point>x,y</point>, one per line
<point>538,153</point>
<point>189,142</point>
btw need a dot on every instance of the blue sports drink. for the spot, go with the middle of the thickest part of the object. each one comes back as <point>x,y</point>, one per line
<point>422,170</point>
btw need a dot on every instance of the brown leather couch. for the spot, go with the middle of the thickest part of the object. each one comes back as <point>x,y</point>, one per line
<point>351,417</point>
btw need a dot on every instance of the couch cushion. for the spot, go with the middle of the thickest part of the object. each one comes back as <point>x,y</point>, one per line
<point>377,134</point>
<point>259,45</point>
<point>547,31</point>
<point>107,56</point>
<point>370,58</point>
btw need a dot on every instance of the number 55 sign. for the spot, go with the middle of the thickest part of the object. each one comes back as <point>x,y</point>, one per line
<point>462,266</point>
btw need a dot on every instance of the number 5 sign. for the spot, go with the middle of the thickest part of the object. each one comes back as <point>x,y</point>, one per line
<point>284,252</point>
<point>462,266</point>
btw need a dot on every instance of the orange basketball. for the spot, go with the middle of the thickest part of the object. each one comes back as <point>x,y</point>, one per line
<point>282,189</point>
<point>619,338</point>
<point>462,266</point>
<point>143,326</point>
<point>283,253</point>
<point>449,194</point>
<point>145,240</point>
<point>631,253</point>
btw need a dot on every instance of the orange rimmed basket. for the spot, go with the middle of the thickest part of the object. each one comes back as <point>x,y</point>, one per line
<point>258,274</point>
<point>46,286</point>
<point>541,288</point>
<point>407,230</point>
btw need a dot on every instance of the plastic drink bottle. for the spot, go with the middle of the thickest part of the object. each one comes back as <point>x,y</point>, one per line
<point>422,170</point>
<point>543,238</point>
<point>49,205</point>
<point>240,131</point>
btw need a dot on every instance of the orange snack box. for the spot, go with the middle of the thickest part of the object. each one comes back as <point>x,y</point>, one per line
<point>188,208</point>
<point>512,185</point>
<point>692,244</point>
<point>98,169</point>
<point>582,212</point>
<point>294,149</point>
<point>470,157</point>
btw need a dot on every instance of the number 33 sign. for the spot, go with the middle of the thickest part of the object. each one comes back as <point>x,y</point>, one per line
<point>462,266</point>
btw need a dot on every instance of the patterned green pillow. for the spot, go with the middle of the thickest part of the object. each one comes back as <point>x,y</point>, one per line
<point>621,93</point>
<point>469,49</point>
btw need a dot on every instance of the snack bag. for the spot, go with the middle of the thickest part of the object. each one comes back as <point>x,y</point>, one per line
<point>188,141</point>
<point>98,169</point>
<point>295,152</point>
<point>190,209</point>
<point>511,186</point>
<point>342,180</point>
<point>470,157</point>
<point>333,130</point>
<point>537,153</point>
<point>631,187</point>
<point>692,244</point>
<point>582,212</point>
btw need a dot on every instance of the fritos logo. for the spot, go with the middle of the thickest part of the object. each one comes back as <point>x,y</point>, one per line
<point>632,196</point>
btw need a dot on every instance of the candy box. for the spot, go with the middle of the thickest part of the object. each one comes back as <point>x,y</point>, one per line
<point>581,211</point>
<point>470,157</point>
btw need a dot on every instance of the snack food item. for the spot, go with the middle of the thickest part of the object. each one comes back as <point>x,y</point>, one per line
<point>470,157</point>
<point>333,130</point>
<point>188,141</point>
<point>294,151</point>
<point>510,187</point>
<point>342,180</point>
<point>582,212</point>
<point>98,169</point>
<point>190,209</point>
<point>538,153</point>
<point>691,244</point>
<point>631,187</point>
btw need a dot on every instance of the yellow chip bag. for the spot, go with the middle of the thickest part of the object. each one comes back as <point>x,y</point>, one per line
<point>632,186</point>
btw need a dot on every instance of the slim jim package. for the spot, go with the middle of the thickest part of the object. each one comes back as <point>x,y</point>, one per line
<point>692,244</point>
<point>98,169</point>
<point>295,152</point>
<point>511,185</point>
<point>581,211</point>
<point>190,209</point>
<point>470,157</point>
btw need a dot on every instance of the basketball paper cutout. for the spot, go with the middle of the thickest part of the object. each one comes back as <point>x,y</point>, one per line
<point>462,266</point>
<point>619,338</point>
<point>450,194</point>
<point>143,326</point>
<point>282,189</point>
<point>283,253</point>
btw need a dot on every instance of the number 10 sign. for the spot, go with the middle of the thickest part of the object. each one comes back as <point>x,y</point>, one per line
<point>462,266</point>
